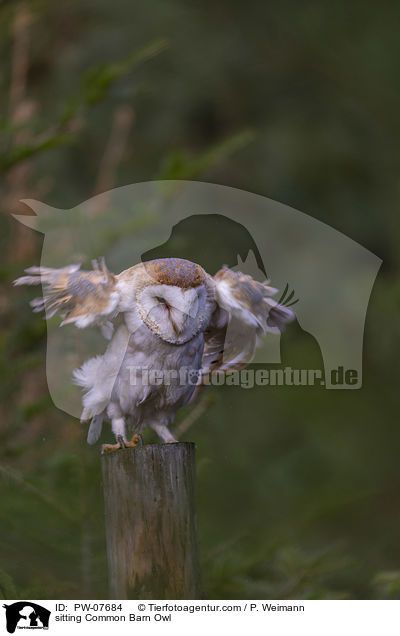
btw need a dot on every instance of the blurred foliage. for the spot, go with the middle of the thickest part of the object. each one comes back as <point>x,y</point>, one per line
<point>298,488</point>
<point>387,584</point>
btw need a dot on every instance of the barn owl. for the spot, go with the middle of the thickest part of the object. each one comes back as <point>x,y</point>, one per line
<point>166,315</point>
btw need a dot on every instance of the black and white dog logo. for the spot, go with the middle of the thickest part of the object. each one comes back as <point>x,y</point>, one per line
<point>26,615</point>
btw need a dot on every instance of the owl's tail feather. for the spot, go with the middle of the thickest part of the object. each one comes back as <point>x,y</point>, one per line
<point>95,428</point>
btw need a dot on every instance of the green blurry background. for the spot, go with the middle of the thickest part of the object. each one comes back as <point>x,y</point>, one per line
<point>298,101</point>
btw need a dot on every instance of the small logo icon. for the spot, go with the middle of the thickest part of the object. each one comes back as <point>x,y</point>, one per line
<point>26,615</point>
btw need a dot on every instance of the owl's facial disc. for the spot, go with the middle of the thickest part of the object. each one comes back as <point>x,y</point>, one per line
<point>173,313</point>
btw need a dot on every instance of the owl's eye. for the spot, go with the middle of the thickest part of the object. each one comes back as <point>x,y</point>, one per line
<point>160,299</point>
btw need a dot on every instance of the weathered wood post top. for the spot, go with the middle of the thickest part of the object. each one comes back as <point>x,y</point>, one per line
<point>151,521</point>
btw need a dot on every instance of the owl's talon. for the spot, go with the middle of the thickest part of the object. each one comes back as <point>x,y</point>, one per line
<point>122,441</point>
<point>140,439</point>
<point>135,441</point>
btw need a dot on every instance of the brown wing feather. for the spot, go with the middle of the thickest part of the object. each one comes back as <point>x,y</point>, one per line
<point>245,312</point>
<point>80,297</point>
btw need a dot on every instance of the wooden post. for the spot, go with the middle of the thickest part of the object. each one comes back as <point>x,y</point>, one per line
<point>151,522</point>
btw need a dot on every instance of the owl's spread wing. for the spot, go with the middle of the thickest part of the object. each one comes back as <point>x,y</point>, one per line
<point>82,298</point>
<point>245,312</point>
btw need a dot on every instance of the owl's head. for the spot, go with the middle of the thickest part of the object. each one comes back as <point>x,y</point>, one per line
<point>175,299</point>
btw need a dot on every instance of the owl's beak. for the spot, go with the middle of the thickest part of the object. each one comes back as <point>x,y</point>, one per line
<point>175,325</point>
<point>177,319</point>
